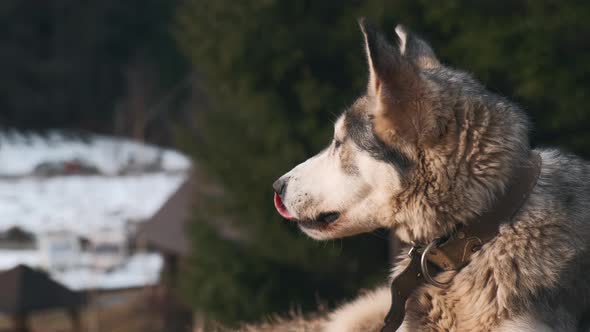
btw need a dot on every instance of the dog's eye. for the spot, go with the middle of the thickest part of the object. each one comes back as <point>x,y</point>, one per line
<point>337,143</point>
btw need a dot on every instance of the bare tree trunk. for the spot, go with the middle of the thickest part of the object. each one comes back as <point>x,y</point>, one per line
<point>75,319</point>
<point>140,89</point>
<point>21,322</point>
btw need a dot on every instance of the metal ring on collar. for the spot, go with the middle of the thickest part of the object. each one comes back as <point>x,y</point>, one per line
<point>424,266</point>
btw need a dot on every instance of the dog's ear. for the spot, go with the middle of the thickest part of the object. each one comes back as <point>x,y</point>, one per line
<point>416,49</point>
<point>387,67</point>
<point>400,111</point>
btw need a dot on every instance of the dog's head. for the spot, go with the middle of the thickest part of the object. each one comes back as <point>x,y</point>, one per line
<point>412,117</point>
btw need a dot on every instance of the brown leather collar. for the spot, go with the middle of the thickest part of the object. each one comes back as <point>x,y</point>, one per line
<point>454,251</point>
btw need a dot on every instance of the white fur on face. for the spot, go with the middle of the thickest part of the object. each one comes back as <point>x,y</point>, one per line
<point>362,196</point>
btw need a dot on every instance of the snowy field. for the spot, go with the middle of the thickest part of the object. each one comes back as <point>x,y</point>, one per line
<point>139,270</point>
<point>83,204</point>
<point>129,183</point>
<point>20,154</point>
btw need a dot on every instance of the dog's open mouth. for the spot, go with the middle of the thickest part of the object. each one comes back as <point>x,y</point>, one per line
<point>322,220</point>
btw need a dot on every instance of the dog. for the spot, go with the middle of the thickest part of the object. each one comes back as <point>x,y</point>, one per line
<point>424,151</point>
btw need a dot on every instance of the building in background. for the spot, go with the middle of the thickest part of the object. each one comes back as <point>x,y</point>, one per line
<point>166,232</point>
<point>16,238</point>
<point>78,217</point>
<point>26,291</point>
<point>59,250</point>
<point>108,248</point>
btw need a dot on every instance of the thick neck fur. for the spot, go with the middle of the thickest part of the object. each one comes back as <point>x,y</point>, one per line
<point>460,177</point>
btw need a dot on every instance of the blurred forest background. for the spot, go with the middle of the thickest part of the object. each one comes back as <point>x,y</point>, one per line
<point>250,88</point>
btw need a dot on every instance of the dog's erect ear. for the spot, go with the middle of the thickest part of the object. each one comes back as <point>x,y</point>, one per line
<point>416,49</point>
<point>388,70</point>
<point>402,110</point>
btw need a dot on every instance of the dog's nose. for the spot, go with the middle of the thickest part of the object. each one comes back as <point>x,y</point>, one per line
<point>280,185</point>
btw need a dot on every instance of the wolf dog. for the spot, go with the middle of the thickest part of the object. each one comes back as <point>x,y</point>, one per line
<point>426,149</point>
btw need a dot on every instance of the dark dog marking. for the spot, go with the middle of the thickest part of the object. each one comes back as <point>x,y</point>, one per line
<point>360,130</point>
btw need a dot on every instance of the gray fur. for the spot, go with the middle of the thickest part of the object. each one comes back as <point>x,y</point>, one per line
<point>456,145</point>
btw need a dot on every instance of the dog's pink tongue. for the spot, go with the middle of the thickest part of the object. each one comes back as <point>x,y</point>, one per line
<point>281,208</point>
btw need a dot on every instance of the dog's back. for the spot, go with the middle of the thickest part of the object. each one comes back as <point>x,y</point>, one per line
<point>561,205</point>
<point>428,150</point>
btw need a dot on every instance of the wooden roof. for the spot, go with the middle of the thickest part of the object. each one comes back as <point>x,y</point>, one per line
<point>166,230</point>
<point>23,290</point>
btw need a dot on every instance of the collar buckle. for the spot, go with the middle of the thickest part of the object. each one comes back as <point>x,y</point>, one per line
<point>415,249</point>
<point>424,266</point>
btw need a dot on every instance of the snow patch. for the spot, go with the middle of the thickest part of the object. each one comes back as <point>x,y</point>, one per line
<point>83,204</point>
<point>141,269</point>
<point>128,184</point>
<point>11,258</point>
<point>20,154</point>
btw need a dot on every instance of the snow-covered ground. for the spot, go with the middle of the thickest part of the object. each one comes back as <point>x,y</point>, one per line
<point>83,204</point>
<point>132,182</point>
<point>140,270</point>
<point>20,154</point>
<point>11,258</point>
